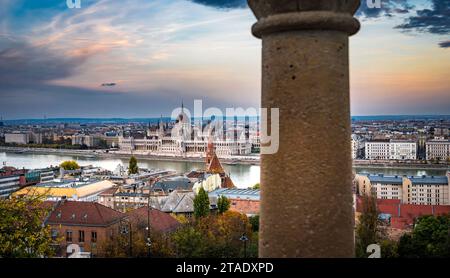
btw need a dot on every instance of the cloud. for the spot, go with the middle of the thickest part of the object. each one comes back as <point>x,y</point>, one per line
<point>108,84</point>
<point>23,64</point>
<point>435,20</point>
<point>222,4</point>
<point>444,44</point>
<point>388,9</point>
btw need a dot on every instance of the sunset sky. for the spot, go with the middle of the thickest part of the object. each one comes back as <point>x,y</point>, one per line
<point>140,58</point>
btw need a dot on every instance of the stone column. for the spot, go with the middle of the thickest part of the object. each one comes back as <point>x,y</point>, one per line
<point>306,197</point>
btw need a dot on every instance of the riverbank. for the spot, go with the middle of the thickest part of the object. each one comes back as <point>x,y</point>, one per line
<point>120,155</point>
<point>227,161</point>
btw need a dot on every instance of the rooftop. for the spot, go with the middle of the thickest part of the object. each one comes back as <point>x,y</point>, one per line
<point>179,183</point>
<point>159,221</point>
<point>385,179</point>
<point>82,214</point>
<point>236,193</point>
<point>414,179</point>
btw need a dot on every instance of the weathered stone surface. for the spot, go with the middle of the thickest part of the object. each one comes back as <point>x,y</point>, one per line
<point>306,197</point>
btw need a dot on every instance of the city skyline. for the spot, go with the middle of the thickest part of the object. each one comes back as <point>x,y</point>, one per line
<point>140,59</point>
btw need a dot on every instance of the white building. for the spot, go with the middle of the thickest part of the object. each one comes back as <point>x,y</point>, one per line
<point>393,149</point>
<point>87,140</point>
<point>423,190</point>
<point>437,149</point>
<point>377,150</point>
<point>356,146</point>
<point>17,138</point>
<point>403,150</point>
<point>179,147</point>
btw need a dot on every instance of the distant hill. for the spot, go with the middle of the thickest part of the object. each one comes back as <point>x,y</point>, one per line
<point>166,119</point>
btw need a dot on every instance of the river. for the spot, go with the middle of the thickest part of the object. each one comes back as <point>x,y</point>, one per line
<point>242,175</point>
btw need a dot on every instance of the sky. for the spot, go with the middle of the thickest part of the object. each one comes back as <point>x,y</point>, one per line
<point>142,58</point>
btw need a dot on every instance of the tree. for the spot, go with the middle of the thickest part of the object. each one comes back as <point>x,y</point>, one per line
<point>22,233</point>
<point>429,239</point>
<point>215,236</point>
<point>118,246</point>
<point>368,229</point>
<point>389,249</point>
<point>254,221</point>
<point>70,165</point>
<point>189,242</point>
<point>223,204</point>
<point>133,166</point>
<point>201,204</point>
<point>256,186</point>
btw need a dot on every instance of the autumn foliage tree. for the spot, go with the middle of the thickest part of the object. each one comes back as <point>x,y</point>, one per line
<point>214,236</point>
<point>22,233</point>
<point>369,227</point>
<point>133,166</point>
<point>70,165</point>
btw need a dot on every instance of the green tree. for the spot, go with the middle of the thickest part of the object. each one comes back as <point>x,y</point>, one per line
<point>201,204</point>
<point>429,239</point>
<point>22,233</point>
<point>389,249</point>
<point>223,204</point>
<point>189,242</point>
<point>254,221</point>
<point>70,165</point>
<point>256,186</point>
<point>133,166</point>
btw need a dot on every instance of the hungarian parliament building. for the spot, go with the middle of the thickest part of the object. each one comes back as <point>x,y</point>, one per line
<point>186,140</point>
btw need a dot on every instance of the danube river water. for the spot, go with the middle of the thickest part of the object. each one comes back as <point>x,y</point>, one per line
<point>242,175</point>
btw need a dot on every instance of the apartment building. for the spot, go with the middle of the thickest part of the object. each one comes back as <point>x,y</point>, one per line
<point>416,190</point>
<point>86,224</point>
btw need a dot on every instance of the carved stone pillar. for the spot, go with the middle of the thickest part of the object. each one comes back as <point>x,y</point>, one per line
<point>306,197</point>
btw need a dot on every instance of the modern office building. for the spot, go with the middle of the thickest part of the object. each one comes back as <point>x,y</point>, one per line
<point>11,180</point>
<point>391,150</point>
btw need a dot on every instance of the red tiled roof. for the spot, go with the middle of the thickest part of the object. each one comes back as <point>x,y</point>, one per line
<point>227,183</point>
<point>83,214</point>
<point>159,221</point>
<point>215,167</point>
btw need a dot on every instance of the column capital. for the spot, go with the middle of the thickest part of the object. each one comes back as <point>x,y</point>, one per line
<point>290,15</point>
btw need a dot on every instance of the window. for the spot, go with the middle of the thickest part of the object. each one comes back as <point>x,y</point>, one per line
<point>93,236</point>
<point>54,234</point>
<point>69,236</point>
<point>80,236</point>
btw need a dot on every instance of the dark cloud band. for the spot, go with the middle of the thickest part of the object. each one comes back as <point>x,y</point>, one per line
<point>444,44</point>
<point>435,20</point>
<point>222,4</point>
